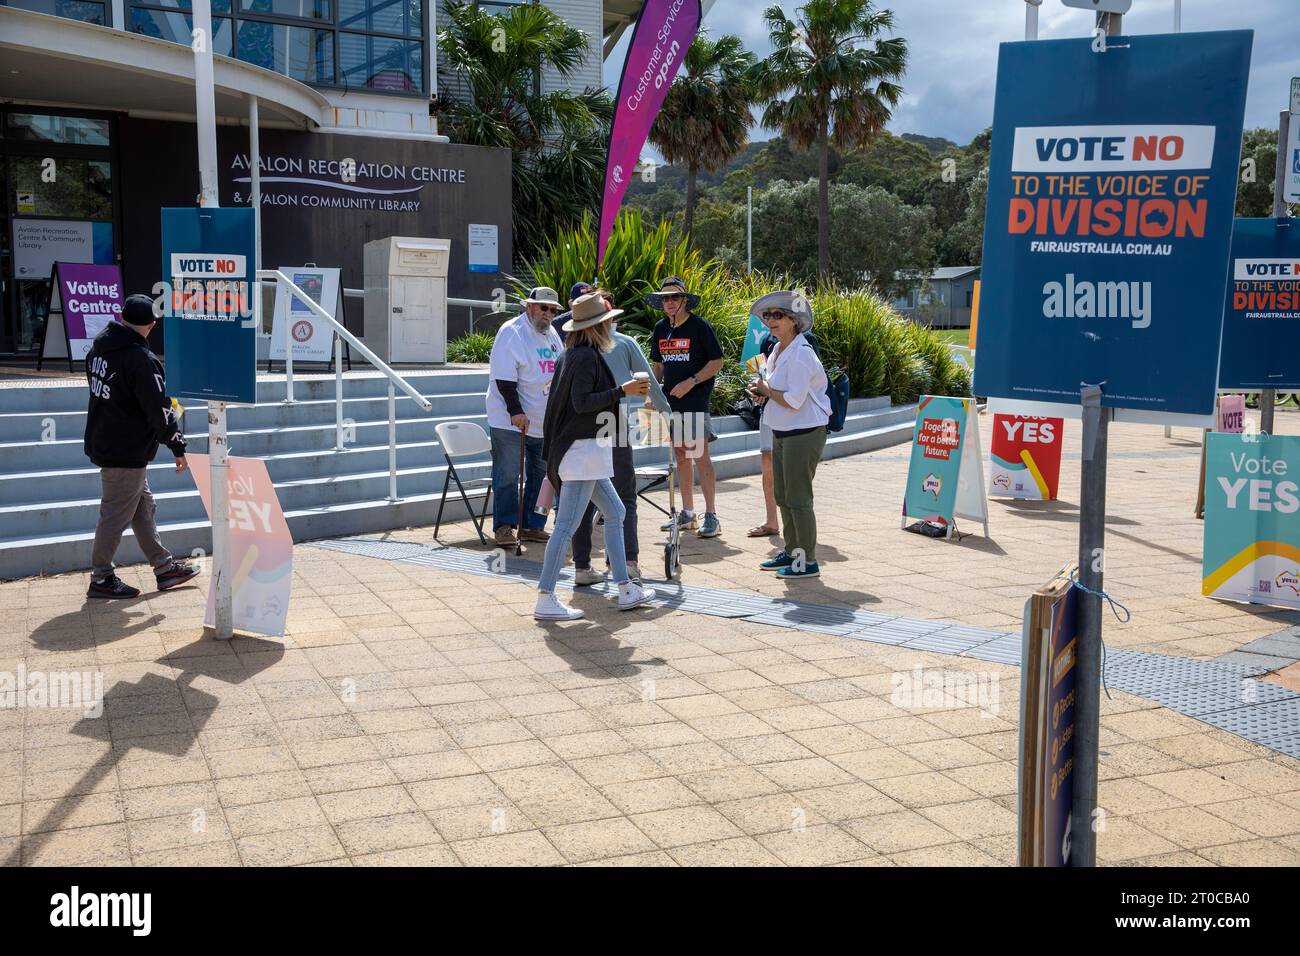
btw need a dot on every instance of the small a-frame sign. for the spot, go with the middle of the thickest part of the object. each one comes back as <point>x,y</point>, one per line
<point>945,477</point>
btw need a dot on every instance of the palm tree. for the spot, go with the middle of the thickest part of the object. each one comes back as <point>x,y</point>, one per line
<point>831,78</point>
<point>493,97</point>
<point>704,121</point>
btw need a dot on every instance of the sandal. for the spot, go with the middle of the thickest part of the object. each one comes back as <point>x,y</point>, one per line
<point>762,531</point>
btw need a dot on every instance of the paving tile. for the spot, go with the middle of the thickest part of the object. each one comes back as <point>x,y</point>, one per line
<point>530,848</point>
<point>738,851</point>
<point>598,839</point>
<point>814,846</point>
<point>684,825</point>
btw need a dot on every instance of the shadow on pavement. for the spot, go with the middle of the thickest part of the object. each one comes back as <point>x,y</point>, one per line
<point>175,712</point>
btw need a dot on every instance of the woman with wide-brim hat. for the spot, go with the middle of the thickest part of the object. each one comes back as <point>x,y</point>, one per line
<point>797,410</point>
<point>578,434</point>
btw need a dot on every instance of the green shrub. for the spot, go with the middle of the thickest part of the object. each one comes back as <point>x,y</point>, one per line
<point>882,353</point>
<point>473,347</point>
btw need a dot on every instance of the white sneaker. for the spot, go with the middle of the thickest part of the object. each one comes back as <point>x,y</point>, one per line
<point>632,595</point>
<point>550,608</point>
<point>587,576</point>
<point>633,571</point>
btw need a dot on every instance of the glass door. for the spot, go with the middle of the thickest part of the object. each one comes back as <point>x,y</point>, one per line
<point>59,206</point>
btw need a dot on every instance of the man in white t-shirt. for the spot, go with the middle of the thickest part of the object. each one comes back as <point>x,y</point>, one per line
<point>522,365</point>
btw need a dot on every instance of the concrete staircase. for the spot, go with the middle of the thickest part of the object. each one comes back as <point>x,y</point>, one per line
<point>49,491</point>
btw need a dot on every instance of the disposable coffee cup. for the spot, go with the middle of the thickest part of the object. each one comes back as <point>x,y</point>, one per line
<point>641,376</point>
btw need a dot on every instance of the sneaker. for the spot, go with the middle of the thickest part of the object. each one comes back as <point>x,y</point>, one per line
<point>584,576</point>
<point>111,587</point>
<point>810,570</point>
<point>551,608</point>
<point>685,522</point>
<point>504,536</point>
<point>177,574</point>
<point>633,595</point>
<point>781,560</point>
<point>535,534</point>
<point>712,527</point>
<point>633,571</point>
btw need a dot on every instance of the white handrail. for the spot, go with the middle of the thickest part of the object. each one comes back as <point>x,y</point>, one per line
<point>339,330</point>
<point>341,334</point>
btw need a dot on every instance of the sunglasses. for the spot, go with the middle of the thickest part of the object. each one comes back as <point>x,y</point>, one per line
<point>672,297</point>
<point>771,315</point>
<point>549,309</point>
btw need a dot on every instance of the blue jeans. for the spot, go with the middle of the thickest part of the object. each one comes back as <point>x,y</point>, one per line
<point>505,479</point>
<point>574,496</point>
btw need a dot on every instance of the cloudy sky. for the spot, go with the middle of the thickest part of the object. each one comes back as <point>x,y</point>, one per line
<point>954,43</point>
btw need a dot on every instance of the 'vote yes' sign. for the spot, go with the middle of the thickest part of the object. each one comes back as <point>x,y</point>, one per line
<point>1252,519</point>
<point>1026,457</point>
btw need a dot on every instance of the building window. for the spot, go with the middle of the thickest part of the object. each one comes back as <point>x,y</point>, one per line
<point>300,52</point>
<point>375,45</point>
<point>381,63</point>
<point>172,24</point>
<point>970,297</point>
<point>86,12</point>
<point>68,130</point>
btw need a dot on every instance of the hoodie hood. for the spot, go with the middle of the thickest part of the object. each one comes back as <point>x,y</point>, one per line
<point>117,336</point>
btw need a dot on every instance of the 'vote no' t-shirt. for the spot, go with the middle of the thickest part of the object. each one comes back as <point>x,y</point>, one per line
<point>527,357</point>
<point>684,350</point>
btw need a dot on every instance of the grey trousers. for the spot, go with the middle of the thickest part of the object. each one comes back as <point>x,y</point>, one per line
<point>125,499</point>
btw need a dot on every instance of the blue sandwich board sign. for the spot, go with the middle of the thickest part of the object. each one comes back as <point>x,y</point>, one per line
<point>1261,317</point>
<point>1112,181</point>
<point>209,339</point>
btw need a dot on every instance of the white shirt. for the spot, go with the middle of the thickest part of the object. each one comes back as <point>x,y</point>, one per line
<point>588,459</point>
<point>796,372</point>
<point>527,357</point>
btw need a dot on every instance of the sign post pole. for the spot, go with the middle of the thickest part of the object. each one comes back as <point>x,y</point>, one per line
<point>205,112</point>
<point>1092,542</point>
<point>1268,395</point>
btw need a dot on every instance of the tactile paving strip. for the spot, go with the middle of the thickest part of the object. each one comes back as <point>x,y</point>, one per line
<point>1220,693</point>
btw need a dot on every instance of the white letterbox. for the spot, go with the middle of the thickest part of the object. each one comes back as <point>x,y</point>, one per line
<point>406,299</point>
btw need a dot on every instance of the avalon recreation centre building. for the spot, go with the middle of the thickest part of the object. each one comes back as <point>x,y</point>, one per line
<point>97,135</point>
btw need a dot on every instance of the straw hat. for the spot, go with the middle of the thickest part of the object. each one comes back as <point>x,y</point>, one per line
<point>589,310</point>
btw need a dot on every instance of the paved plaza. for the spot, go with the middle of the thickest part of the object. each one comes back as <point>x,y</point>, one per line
<point>415,715</point>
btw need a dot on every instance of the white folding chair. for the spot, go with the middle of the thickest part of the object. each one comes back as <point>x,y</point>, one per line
<point>463,440</point>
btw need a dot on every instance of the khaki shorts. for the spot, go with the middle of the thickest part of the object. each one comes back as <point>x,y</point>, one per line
<point>687,428</point>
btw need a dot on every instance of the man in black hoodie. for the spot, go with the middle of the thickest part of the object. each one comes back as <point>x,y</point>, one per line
<point>129,416</point>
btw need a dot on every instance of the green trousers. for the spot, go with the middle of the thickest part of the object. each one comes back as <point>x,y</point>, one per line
<point>794,462</point>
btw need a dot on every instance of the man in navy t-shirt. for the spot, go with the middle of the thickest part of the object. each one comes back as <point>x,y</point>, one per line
<point>685,356</point>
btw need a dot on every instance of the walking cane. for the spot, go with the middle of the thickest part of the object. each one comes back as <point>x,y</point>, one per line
<point>519,541</point>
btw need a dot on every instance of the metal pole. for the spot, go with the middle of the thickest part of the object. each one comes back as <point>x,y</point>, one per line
<point>1268,395</point>
<point>749,230</point>
<point>1178,16</point>
<point>1031,19</point>
<point>205,118</point>
<point>288,347</point>
<point>392,442</point>
<point>1087,681</point>
<point>255,198</point>
<point>338,393</point>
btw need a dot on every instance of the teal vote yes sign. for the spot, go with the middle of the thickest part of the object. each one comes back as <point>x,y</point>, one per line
<point>209,338</point>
